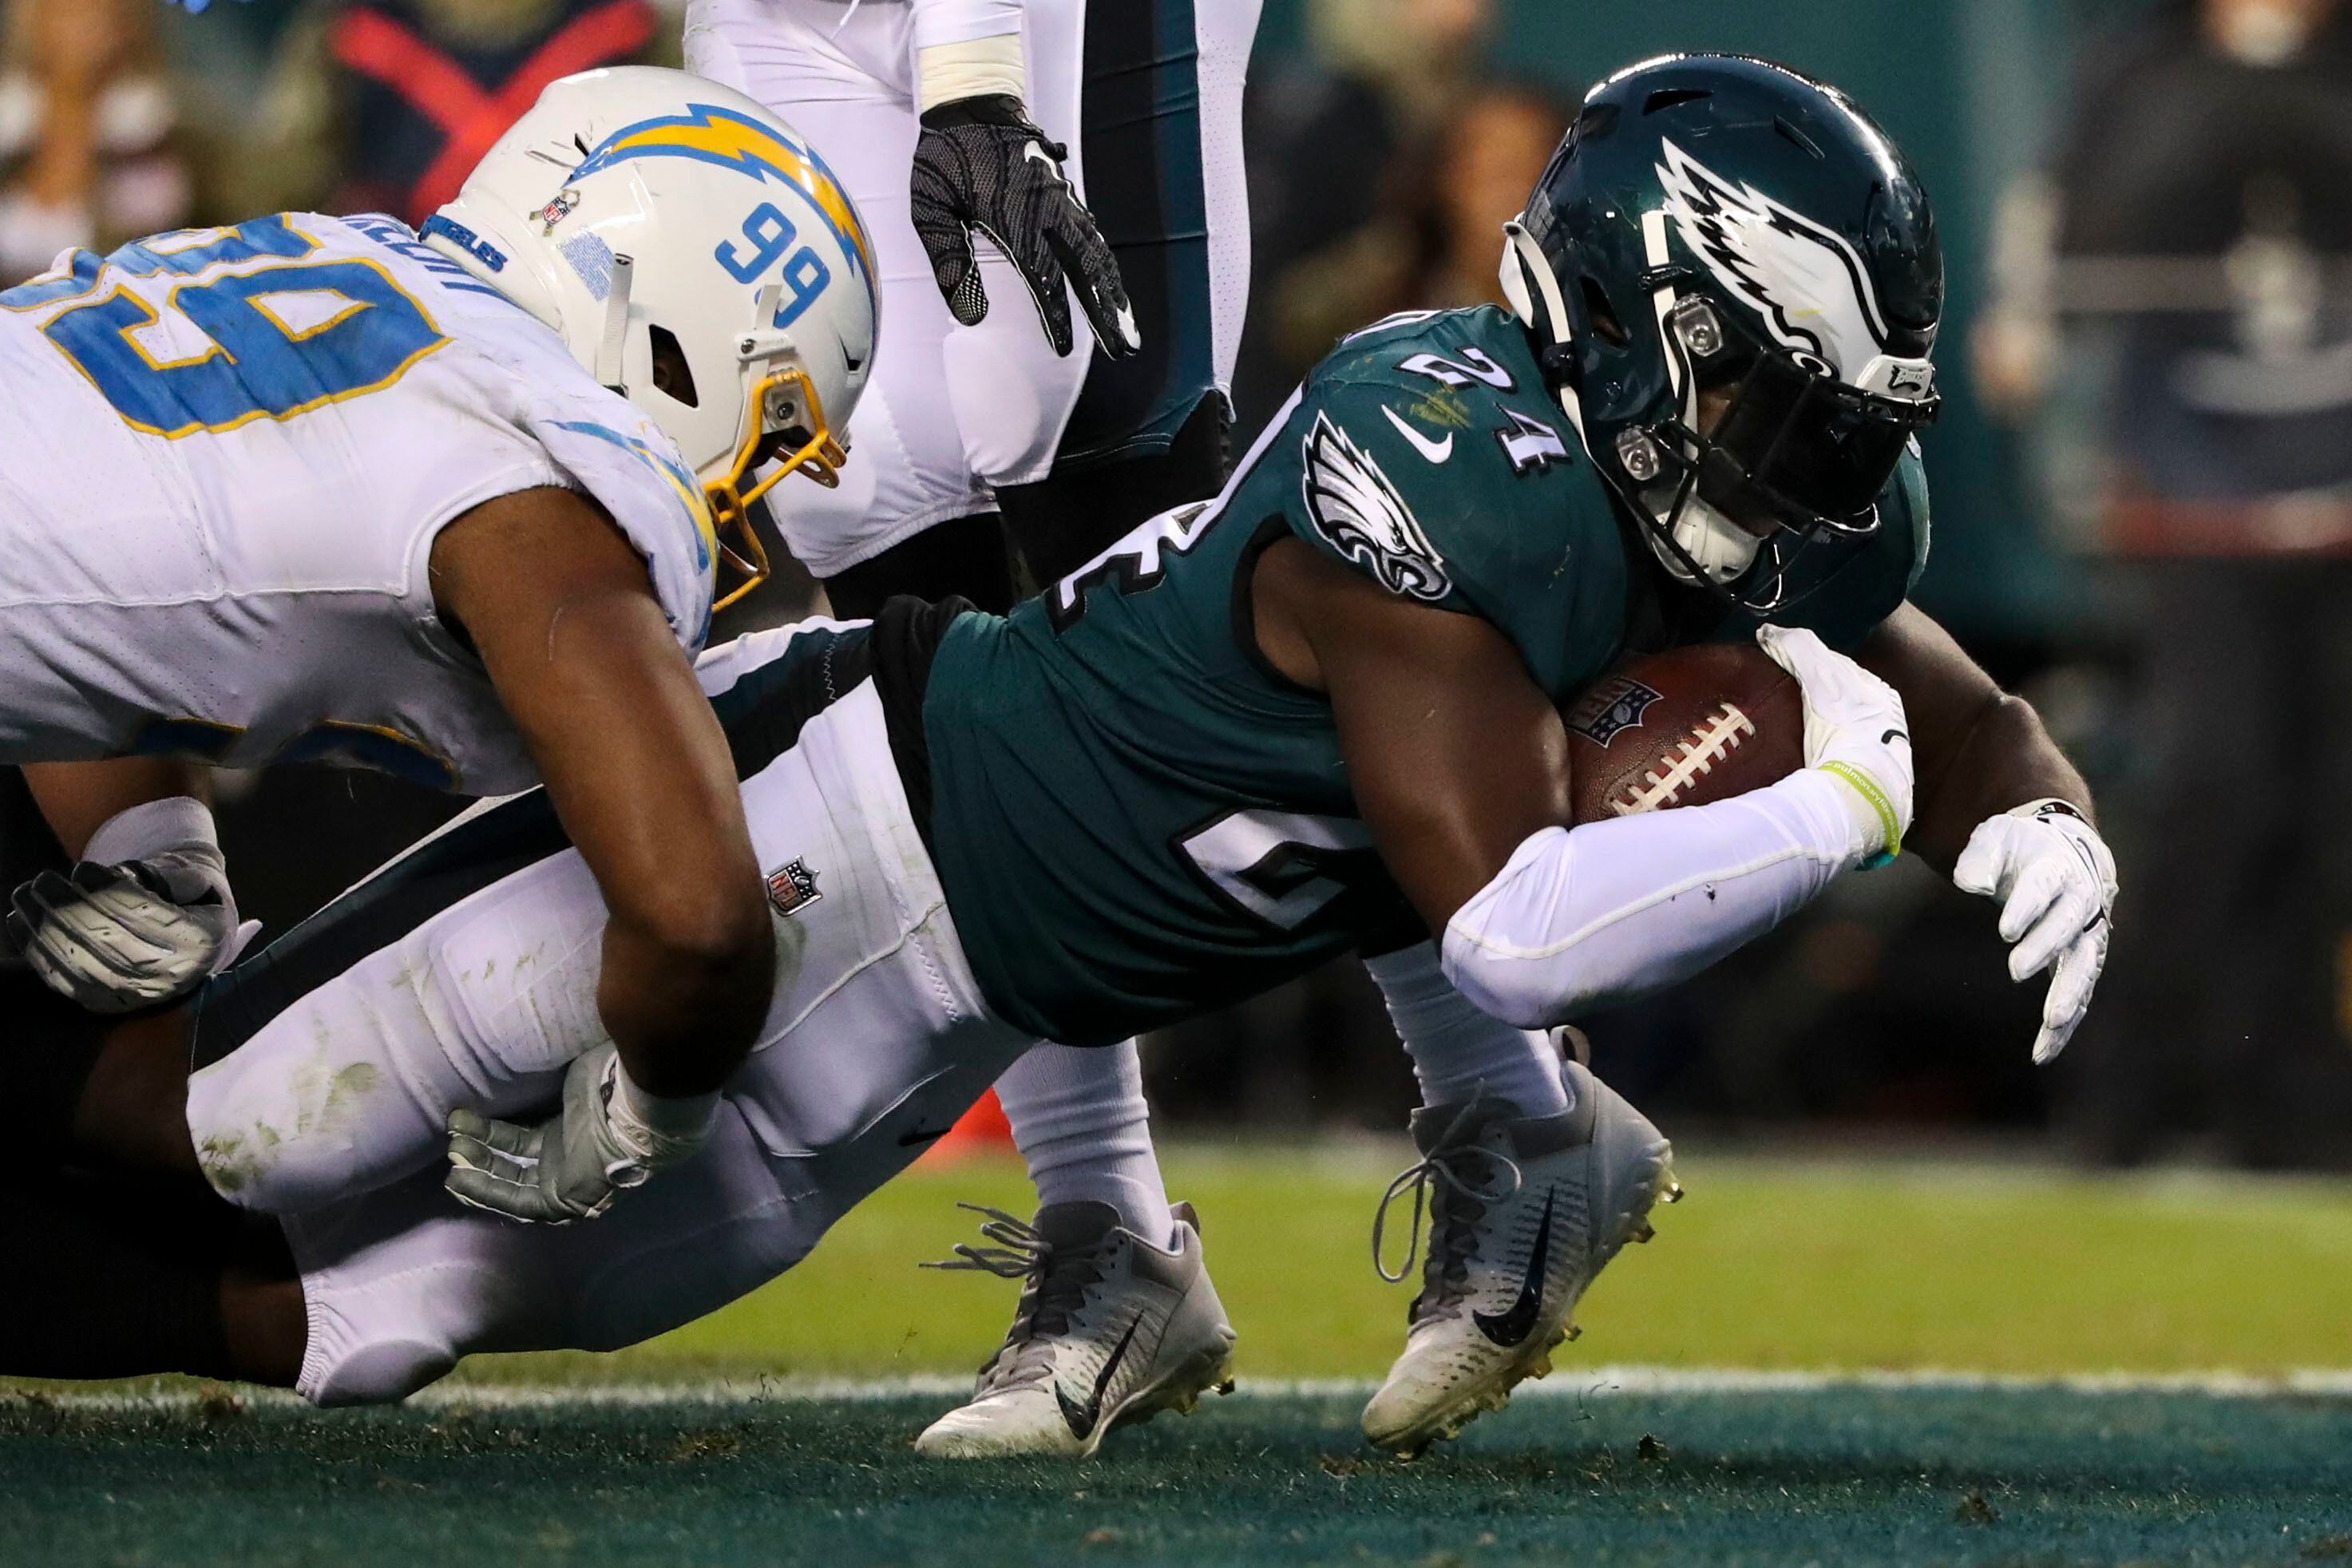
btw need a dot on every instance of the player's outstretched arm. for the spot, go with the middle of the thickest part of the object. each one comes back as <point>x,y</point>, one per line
<point>146,912</point>
<point>559,606</point>
<point>2005,814</point>
<point>1460,766</point>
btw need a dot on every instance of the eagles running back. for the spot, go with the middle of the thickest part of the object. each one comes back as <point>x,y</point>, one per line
<point>230,452</point>
<point>1116,865</point>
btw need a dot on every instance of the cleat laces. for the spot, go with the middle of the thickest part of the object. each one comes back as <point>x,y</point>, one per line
<point>1056,1279</point>
<point>1454,1203</point>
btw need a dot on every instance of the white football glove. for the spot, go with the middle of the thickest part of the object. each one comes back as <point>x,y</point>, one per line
<point>609,1136</point>
<point>1856,729</point>
<point>2056,883</point>
<point>119,934</point>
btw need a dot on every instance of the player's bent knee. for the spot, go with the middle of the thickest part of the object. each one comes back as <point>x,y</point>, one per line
<point>295,1151</point>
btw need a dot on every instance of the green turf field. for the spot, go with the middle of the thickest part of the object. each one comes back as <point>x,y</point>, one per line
<point>1875,1270</point>
<point>1955,1478</point>
<point>1767,1264</point>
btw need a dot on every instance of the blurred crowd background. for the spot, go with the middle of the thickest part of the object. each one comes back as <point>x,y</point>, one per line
<point>2142,483</point>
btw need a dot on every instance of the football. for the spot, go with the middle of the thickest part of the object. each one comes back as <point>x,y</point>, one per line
<point>1683,727</point>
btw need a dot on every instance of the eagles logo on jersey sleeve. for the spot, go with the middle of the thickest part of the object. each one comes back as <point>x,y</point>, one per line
<point>1359,513</point>
<point>1432,460</point>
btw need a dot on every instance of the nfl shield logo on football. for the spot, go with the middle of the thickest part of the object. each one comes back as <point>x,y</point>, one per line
<point>793,889</point>
<point>1609,705</point>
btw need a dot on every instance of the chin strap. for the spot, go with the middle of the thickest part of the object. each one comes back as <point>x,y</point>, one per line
<point>610,346</point>
<point>1719,548</point>
<point>1530,287</point>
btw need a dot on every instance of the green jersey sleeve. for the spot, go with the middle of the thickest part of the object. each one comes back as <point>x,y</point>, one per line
<point>1431,458</point>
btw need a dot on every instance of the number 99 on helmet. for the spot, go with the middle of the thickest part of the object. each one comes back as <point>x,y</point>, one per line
<point>697,255</point>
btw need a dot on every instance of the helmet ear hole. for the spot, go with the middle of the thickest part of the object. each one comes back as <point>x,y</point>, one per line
<point>1788,132</point>
<point>1668,97</point>
<point>1604,318</point>
<point>673,375</point>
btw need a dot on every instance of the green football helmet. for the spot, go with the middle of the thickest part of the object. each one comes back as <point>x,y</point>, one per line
<point>1734,281</point>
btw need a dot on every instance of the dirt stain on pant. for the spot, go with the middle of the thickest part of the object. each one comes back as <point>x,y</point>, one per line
<point>325,1104</point>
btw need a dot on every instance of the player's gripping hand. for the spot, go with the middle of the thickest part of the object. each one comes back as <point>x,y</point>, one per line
<point>1854,728</point>
<point>2056,883</point>
<point>982,164</point>
<point>610,1136</point>
<point>117,937</point>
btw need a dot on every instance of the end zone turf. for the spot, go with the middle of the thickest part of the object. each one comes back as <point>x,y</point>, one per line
<point>1770,1266</point>
<point>1848,1474</point>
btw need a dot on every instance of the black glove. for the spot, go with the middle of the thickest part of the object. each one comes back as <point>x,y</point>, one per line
<point>982,164</point>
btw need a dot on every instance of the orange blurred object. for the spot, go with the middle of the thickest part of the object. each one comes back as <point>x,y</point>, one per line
<point>981,1131</point>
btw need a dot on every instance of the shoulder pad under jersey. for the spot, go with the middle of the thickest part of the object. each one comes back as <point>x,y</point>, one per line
<point>622,459</point>
<point>1844,593</point>
<point>1432,459</point>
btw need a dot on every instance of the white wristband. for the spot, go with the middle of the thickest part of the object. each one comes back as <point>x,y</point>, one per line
<point>659,1127</point>
<point>946,73</point>
<point>159,826</point>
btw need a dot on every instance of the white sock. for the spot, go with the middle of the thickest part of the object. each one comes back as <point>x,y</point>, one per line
<point>1078,1116</point>
<point>1458,1052</point>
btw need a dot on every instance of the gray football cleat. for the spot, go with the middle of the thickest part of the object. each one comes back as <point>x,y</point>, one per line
<point>1110,1330</point>
<point>1524,1213</point>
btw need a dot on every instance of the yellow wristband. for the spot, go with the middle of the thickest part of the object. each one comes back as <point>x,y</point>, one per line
<point>1890,826</point>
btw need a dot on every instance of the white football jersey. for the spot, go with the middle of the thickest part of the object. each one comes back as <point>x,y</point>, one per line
<point>225,455</point>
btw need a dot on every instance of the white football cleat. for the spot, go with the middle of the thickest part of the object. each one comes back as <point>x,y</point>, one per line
<point>1526,1212</point>
<point>1110,1330</point>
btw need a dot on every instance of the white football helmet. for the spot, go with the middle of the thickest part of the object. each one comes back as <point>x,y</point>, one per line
<point>699,257</point>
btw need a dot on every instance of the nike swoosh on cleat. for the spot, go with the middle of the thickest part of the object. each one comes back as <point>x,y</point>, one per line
<point>1435,451</point>
<point>1082,1417</point>
<point>922,1135</point>
<point>1511,1327</point>
<point>1892,735</point>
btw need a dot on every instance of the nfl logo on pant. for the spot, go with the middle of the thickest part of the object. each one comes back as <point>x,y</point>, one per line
<point>793,889</point>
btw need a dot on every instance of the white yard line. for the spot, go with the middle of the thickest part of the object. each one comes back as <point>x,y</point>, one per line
<point>1599,1383</point>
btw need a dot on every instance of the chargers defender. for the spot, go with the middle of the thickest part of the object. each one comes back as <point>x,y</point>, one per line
<point>452,506</point>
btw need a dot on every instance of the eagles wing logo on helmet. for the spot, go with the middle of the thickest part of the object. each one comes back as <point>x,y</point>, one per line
<point>1804,279</point>
<point>1353,505</point>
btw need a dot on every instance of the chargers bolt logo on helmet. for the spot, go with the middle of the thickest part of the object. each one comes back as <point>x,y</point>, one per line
<point>713,134</point>
<point>711,269</point>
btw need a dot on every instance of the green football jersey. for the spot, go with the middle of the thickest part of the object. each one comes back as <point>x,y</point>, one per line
<point>1137,818</point>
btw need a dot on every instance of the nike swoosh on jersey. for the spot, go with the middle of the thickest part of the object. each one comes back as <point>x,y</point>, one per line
<point>1511,1327</point>
<point>1435,451</point>
<point>1082,1417</point>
